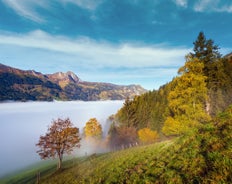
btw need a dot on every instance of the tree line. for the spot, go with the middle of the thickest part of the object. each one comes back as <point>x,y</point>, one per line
<point>202,89</point>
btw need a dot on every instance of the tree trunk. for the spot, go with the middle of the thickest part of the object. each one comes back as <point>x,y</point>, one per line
<point>59,163</point>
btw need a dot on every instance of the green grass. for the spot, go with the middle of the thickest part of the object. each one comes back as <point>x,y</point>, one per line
<point>29,174</point>
<point>115,167</point>
<point>92,169</point>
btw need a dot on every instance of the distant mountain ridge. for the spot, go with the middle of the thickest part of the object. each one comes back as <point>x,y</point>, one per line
<point>24,85</point>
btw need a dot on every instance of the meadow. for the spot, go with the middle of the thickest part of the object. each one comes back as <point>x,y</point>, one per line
<point>113,167</point>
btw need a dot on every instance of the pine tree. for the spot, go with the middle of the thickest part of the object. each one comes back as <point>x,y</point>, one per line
<point>207,52</point>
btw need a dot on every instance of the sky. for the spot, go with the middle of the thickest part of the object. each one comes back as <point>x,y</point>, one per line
<point>117,41</point>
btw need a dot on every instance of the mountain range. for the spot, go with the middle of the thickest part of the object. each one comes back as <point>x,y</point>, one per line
<point>30,85</point>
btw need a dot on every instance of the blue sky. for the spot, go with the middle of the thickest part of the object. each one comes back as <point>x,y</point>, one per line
<point>119,41</point>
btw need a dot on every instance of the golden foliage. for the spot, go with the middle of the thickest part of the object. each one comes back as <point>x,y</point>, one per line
<point>187,99</point>
<point>93,129</point>
<point>146,135</point>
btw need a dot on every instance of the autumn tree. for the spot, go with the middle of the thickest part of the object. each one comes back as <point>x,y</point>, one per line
<point>147,135</point>
<point>186,102</point>
<point>93,129</point>
<point>61,138</point>
<point>122,136</point>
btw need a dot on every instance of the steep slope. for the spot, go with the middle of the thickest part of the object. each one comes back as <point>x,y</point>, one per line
<point>22,85</point>
<point>31,85</point>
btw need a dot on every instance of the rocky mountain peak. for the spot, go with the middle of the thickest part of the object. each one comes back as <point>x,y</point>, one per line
<point>64,79</point>
<point>72,76</point>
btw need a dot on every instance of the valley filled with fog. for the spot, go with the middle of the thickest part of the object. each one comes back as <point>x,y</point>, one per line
<point>22,123</point>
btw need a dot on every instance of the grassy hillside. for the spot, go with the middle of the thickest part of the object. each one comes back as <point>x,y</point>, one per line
<point>113,167</point>
<point>203,155</point>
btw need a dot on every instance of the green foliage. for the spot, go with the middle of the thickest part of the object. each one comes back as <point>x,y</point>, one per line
<point>203,89</point>
<point>216,72</point>
<point>205,50</point>
<point>147,110</point>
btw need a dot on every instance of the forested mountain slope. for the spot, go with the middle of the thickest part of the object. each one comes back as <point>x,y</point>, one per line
<point>202,89</point>
<point>31,85</point>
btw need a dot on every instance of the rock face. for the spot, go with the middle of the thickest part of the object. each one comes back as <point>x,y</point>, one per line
<point>63,79</point>
<point>23,85</point>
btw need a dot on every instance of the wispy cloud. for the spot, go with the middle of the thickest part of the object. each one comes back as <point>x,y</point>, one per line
<point>86,4</point>
<point>29,8</point>
<point>213,6</point>
<point>100,53</point>
<point>127,63</point>
<point>26,8</point>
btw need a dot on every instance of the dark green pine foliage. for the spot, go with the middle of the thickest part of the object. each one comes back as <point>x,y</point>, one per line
<point>216,78</point>
<point>145,111</point>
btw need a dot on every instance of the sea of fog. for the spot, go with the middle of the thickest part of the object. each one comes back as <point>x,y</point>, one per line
<point>22,123</point>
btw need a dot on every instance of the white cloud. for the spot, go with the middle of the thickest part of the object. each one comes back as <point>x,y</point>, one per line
<point>127,63</point>
<point>100,53</point>
<point>86,4</point>
<point>26,8</point>
<point>182,3</point>
<point>213,6</point>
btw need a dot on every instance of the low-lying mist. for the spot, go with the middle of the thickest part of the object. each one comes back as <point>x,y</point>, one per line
<point>23,123</point>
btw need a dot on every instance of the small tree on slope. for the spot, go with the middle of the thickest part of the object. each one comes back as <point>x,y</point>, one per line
<point>61,138</point>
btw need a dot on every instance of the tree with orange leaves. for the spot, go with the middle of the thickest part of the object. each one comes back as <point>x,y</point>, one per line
<point>61,138</point>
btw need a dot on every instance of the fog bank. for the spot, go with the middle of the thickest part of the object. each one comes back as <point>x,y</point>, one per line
<point>23,123</point>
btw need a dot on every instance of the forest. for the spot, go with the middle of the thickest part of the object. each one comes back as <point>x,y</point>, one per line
<point>201,90</point>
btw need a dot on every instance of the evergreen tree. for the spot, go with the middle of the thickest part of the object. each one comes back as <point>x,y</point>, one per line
<point>207,52</point>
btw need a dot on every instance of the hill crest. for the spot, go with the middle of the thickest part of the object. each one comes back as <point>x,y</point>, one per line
<point>26,85</point>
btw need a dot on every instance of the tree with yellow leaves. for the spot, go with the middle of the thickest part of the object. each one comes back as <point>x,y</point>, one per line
<point>146,135</point>
<point>93,129</point>
<point>186,102</point>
